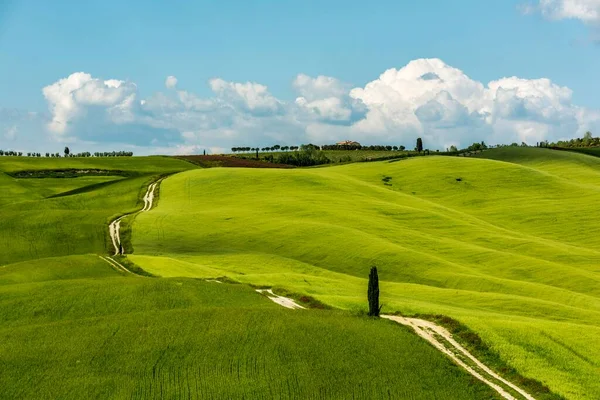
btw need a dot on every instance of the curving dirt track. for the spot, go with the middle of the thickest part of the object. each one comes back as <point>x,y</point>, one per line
<point>115,227</point>
<point>116,265</point>
<point>282,301</point>
<point>442,340</point>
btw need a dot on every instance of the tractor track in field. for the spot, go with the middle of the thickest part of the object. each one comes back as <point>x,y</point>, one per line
<point>282,301</point>
<point>442,340</point>
<point>116,265</point>
<point>114,228</point>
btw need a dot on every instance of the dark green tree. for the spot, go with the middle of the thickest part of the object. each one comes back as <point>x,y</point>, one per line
<point>67,151</point>
<point>419,145</point>
<point>373,293</point>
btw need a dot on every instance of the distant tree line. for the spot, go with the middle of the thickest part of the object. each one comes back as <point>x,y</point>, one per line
<point>114,154</point>
<point>477,146</point>
<point>311,154</point>
<point>513,144</point>
<point>263,149</point>
<point>360,147</point>
<point>588,140</point>
<point>67,153</point>
<point>474,148</point>
<point>304,158</point>
<point>11,153</point>
<point>357,146</point>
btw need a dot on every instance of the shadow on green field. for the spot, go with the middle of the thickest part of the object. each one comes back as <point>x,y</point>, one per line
<point>73,325</point>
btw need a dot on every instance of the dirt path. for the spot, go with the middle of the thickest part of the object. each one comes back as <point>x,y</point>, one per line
<point>282,301</point>
<point>116,265</point>
<point>114,228</point>
<point>441,339</point>
<point>149,197</point>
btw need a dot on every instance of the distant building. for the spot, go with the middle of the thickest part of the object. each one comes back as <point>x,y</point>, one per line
<point>348,143</point>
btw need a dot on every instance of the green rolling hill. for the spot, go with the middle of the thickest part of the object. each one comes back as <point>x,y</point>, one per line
<point>41,217</point>
<point>507,244</point>
<point>72,326</point>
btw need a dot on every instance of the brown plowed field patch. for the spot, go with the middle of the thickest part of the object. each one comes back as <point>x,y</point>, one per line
<point>229,161</point>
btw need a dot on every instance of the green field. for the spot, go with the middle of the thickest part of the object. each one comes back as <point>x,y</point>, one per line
<point>592,151</point>
<point>337,156</point>
<point>37,225</point>
<point>71,326</point>
<point>508,245</point>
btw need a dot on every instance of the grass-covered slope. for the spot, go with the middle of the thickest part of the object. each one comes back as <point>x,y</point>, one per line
<point>573,166</point>
<point>134,164</point>
<point>508,248</point>
<point>72,327</point>
<point>592,151</point>
<point>47,217</point>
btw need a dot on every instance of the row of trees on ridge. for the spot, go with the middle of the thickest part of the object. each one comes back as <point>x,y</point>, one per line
<point>264,149</point>
<point>317,147</point>
<point>67,153</point>
<point>588,140</point>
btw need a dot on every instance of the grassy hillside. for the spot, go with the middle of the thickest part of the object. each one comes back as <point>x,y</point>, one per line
<point>136,164</point>
<point>592,151</point>
<point>73,327</point>
<point>570,165</point>
<point>36,225</point>
<point>509,247</point>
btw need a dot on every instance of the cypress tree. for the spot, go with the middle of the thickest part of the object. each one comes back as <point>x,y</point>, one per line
<point>373,293</point>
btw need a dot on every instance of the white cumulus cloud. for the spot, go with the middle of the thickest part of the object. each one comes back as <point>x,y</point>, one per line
<point>170,82</point>
<point>425,98</point>
<point>69,98</point>
<point>326,98</point>
<point>587,11</point>
<point>320,87</point>
<point>252,97</point>
<point>430,98</point>
<point>331,108</point>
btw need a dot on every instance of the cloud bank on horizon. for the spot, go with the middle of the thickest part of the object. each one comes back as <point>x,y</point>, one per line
<point>426,98</point>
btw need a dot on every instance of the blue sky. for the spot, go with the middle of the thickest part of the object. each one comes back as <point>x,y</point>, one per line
<point>267,44</point>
